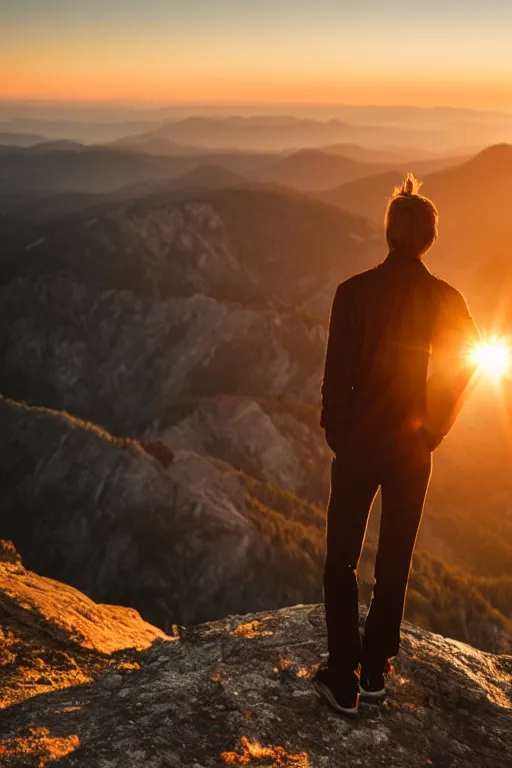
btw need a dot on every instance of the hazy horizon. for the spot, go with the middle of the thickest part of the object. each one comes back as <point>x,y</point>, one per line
<point>281,108</point>
<point>273,53</point>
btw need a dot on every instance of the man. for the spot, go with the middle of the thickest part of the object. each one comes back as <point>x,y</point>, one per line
<point>383,416</point>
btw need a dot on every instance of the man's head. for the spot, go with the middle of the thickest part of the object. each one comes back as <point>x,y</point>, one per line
<point>411,219</point>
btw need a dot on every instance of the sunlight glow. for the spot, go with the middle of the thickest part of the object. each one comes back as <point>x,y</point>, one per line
<point>494,358</point>
<point>252,752</point>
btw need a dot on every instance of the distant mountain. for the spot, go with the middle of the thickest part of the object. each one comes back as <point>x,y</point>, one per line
<point>207,176</point>
<point>267,133</point>
<point>280,133</point>
<point>436,130</point>
<point>83,130</point>
<point>397,156</point>
<point>154,145</point>
<point>366,196</point>
<point>65,168</point>
<point>474,201</point>
<point>375,155</point>
<point>319,171</point>
<point>57,146</point>
<point>479,182</point>
<point>310,170</point>
<point>86,170</point>
<point>29,208</point>
<point>433,130</point>
<point>9,139</point>
<point>473,198</point>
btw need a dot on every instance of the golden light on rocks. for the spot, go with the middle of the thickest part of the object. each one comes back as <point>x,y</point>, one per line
<point>252,751</point>
<point>128,665</point>
<point>252,629</point>
<point>304,672</point>
<point>38,745</point>
<point>299,672</point>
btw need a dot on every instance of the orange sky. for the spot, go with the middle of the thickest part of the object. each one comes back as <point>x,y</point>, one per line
<point>281,51</point>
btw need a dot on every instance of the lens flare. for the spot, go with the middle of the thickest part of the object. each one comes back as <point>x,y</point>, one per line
<point>493,358</point>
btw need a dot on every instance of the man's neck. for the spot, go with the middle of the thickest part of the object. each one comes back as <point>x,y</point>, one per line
<point>403,254</point>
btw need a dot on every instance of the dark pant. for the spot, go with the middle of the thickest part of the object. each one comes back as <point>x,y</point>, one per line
<point>403,472</point>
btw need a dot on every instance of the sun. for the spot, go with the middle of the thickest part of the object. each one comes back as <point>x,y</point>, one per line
<point>494,358</point>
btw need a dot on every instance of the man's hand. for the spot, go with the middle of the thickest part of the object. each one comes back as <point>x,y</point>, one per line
<point>431,441</point>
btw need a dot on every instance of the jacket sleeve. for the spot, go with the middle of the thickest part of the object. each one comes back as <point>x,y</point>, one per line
<point>451,365</point>
<point>337,381</point>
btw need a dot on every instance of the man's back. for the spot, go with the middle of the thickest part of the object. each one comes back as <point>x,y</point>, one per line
<point>384,324</point>
<point>384,412</point>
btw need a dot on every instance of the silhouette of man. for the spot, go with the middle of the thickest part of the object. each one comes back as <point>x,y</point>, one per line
<point>383,415</point>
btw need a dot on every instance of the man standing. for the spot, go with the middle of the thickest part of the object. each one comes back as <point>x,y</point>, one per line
<point>383,416</point>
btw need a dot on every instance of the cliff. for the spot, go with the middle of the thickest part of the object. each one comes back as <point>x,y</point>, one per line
<point>231,692</point>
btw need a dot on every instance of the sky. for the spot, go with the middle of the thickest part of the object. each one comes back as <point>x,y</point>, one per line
<point>426,53</point>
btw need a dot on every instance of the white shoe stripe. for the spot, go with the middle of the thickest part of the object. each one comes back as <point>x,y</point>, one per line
<point>372,694</point>
<point>325,691</point>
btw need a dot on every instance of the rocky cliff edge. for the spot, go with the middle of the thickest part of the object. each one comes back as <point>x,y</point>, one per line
<point>95,686</point>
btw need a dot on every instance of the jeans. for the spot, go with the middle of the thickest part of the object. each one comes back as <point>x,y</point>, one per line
<point>402,470</point>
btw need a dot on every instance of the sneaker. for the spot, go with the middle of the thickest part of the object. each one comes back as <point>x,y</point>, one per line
<point>342,696</point>
<point>372,685</point>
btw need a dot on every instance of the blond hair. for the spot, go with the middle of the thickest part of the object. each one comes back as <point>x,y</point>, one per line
<point>411,219</point>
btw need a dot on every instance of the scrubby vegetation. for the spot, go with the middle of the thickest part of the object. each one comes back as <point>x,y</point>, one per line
<point>441,598</point>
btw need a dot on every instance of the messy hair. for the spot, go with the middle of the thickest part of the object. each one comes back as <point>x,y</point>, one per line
<point>411,219</point>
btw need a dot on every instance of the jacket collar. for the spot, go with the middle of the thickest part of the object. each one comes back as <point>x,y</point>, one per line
<point>398,256</point>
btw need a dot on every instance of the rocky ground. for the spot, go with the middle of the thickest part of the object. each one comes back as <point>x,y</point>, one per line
<point>231,692</point>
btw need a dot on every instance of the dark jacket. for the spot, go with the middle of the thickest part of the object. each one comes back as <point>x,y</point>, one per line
<point>386,324</point>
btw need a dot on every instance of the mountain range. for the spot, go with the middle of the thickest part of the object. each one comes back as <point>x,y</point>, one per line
<point>178,128</point>
<point>282,132</point>
<point>66,166</point>
<point>75,168</point>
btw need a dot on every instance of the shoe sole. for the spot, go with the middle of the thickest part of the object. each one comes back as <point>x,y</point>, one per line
<point>372,697</point>
<point>326,693</point>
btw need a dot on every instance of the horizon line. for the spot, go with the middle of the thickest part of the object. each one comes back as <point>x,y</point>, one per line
<point>235,103</point>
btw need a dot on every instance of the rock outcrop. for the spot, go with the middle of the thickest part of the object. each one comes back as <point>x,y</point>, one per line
<point>181,537</point>
<point>54,637</point>
<point>125,317</point>
<point>130,363</point>
<point>272,439</point>
<point>235,692</point>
